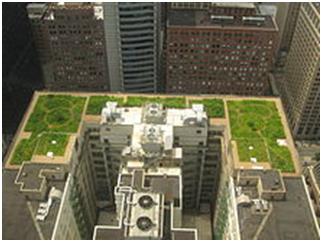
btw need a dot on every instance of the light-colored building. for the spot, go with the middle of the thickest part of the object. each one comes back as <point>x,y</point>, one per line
<point>158,170</point>
<point>132,32</point>
<point>286,18</point>
<point>312,176</point>
<point>300,87</point>
<point>185,128</point>
<point>170,155</point>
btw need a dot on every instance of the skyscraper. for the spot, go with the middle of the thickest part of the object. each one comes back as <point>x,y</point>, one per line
<point>153,168</point>
<point>226,49</point>
<point>300,87</point>
<point>286,18</point>
<point>21,73</point>
<point>170,155</point>
<point>70,41</point>
<point>131,34</point>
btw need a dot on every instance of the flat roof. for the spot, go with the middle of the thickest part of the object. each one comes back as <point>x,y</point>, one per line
<point>16,198</point>
<point>234,5</point>
<point>271,179</point>
<point>202,18</point>
<point>20,221</point>
<point>31,176</point>
<point>289,219</point>
<point>15,212</point>
<point>221,121</point>
<point>184,235</point>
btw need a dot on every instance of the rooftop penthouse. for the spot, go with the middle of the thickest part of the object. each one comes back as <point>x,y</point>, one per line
<point>270,206</point>
<point>208,19</point>
<point>51,12</point>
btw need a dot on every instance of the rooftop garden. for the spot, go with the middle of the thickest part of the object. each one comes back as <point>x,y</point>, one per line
<point>169,102</point>
<point>96,103</point>
<point>52,120</point>
<point>256,126</point>
<point>52,142</point>
<point>213,107</point>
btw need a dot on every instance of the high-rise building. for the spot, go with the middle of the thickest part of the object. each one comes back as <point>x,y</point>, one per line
<point>170,155</point>
<point>225,49</point>
<point>70,41</point>
<point>286,18</point>
<point>153,168</point>
<point>300,87</point>
<point>21,72</point>
<point>137,124</point>
<point>132,32</point>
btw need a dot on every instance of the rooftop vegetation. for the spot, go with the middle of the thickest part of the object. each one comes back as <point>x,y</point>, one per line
<point>53,118</point>
<point>96,103</point>
<point>56,113</point>
<point>169,102</point>
<point>213,107</point>
<point>23,152</point>
<point>52,142</point>
<point>256,126</point>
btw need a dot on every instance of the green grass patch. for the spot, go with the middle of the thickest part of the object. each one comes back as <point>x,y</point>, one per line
<point>56,113</point>
<point>39,145</point>
<point>213,107</point>
<point>52,142</point>
<point>258,124</point>
<point>280,158</point>
<point>51,115</point>
<point>248,148</point>
<point>23,152</point>
<point>96,103</point>
<point>170,102</point>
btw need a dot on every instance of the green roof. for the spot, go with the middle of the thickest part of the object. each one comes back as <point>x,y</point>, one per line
<point>256,126</point>
<point>53,118</point>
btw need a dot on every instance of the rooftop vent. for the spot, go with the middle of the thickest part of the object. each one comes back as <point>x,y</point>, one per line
<point>221,19</point>
<point>144,223</point>
<point>253,20</point>
<point>146,202</point>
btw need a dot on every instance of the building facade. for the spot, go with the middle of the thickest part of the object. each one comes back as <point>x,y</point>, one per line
<point>286,18</point>
<point>69,38</point>
<point>227,49</point>
<point>168,157</point>
<point>21,72</point>
<point>199,144</point>
<point>300,87</point>
<point>132,32</point>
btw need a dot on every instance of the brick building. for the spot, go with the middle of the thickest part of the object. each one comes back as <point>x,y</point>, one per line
<point>226,49</point>
<point>70,42</point>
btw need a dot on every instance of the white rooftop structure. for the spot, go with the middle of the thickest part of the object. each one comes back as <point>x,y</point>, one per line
<point>153,126</point>
<point>146,219</point>
<point>98,11</point>
<point>234,4</point>
<point>133,115</point>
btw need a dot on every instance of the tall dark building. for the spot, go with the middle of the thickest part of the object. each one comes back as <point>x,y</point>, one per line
<point>224,48</point>
<point>21,73</point>
<point>70,41</point>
